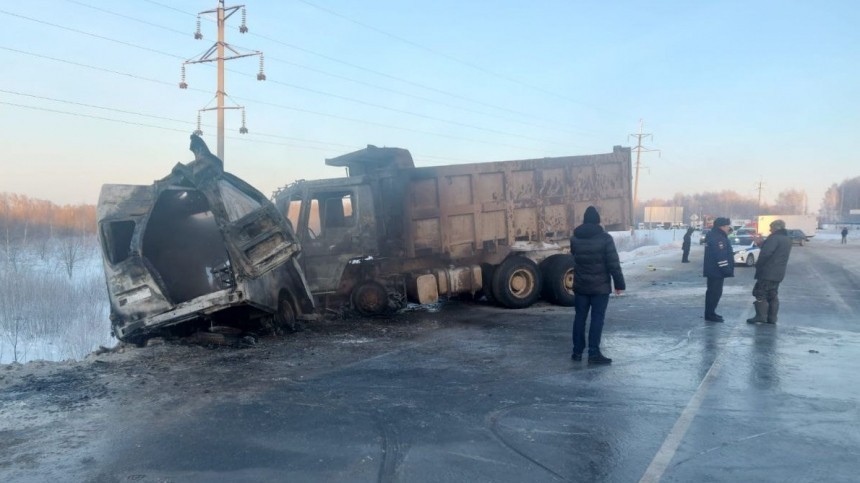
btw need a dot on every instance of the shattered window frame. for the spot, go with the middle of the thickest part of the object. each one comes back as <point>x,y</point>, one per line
<point>117,236</point>
<point>236,202</point>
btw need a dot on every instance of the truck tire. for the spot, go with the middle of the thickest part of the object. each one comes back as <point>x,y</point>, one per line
<point>557,272</point>
<point>369,298</point>
<point>516,283</point>
<point>285,317</point>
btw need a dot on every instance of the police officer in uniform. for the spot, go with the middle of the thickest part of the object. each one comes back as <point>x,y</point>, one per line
<point>685,258</point>
<point>719,264</point>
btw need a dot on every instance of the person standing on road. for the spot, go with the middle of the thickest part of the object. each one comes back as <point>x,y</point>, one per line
<point>596,268</point>
<point>844,235</point>
<point>769,272</point>
<point>685,258</point>
<point>719,264</point>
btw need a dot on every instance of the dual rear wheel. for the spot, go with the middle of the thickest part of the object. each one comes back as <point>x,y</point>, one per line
<point>518,282</point>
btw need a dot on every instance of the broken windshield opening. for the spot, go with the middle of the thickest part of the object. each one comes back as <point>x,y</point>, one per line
<point>182,245</point>
<point>330,212</point>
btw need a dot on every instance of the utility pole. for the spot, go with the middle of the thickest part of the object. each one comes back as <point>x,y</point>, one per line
<point>841,200</point>
<point>639,150</point>
<point>222,13</point>
<point>759,189</point>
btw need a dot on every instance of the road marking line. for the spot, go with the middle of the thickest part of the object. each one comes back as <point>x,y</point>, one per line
<point>830,289</point>
<point>670,445</point>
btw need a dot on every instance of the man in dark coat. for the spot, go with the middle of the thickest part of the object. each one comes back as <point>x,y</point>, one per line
<point>719,264</point>
<point>844,235</point>
<point>596,269</point>
<point>769,272</point>
<point>686,245</point>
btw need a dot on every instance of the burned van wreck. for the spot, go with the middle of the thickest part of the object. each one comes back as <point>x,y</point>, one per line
<point>198,248</point>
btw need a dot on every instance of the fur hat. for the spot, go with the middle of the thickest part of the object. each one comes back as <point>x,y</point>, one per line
<point>721,222</point>
<point>591,216</point>
<point>777,225</point>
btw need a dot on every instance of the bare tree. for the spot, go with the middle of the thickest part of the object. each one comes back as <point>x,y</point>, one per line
<point>791,202</point>
<point>71,250</point>
<point>830,204</point>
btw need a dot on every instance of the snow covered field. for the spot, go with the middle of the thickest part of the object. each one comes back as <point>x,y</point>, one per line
<point>47,315</point>
<point>44,312</point>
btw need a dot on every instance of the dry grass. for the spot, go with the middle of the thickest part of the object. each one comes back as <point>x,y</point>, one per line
<point>49,309</point>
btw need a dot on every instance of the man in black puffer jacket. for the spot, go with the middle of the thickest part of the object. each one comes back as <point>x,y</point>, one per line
<point>719,264</point>
<point>769,272</point>
<point>595,269</point>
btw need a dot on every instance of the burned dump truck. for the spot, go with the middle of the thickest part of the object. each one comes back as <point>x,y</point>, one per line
<point>390,232</point>
<point>199,247</point>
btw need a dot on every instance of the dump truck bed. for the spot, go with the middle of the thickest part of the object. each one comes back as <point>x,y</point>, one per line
<point>462,209</point>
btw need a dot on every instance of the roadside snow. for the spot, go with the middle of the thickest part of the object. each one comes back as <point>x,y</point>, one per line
<point>62,318</point>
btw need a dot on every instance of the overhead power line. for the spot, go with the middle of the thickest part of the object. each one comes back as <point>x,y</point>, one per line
<point>93,67</point>
<point>447,56</point>
<point>371,71</point>
<point>185,131</point>
<point>280,106</point>
<point>90,116</point>
<point>270,58</point>
<point>456,123</point>
<point>89,34</point>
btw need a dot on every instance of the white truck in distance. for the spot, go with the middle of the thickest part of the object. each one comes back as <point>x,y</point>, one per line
<point>806,223</point>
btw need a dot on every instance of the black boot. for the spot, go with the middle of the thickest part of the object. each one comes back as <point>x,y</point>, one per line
<point>761,312</point>
<point>598,359</point>
<point>772,309</point>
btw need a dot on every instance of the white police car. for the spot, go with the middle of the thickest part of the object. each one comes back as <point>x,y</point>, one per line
<point>746,254</point>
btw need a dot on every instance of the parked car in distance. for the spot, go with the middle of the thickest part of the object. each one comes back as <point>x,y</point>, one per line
<point>797,236</point>
<point>704,234</point>
<point>746,255</point>
<point>745,236</point>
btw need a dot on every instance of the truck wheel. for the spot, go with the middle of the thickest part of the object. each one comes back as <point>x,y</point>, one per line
<point>557,272</point>
<point>285,317</point>
<point>369,298</point>
<point>516,283</point>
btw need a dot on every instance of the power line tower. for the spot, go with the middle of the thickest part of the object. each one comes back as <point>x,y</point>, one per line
<point>222,13</point>
<point>760,188</point>
<point>639,150</point>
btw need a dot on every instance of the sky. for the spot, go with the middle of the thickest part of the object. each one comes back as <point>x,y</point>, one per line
<point>734,93</point>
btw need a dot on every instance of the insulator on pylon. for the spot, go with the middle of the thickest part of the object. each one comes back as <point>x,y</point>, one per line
<point>182,83</point>
<point>261,76</point>
<point>198,131</point>
<point>198,35</point>
<point>243,129</point>
<point>243,28</point>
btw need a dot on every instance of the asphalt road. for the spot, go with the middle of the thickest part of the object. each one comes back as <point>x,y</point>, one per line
<point>470,392</point>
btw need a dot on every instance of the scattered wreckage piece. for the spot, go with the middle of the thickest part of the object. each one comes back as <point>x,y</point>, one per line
<point>200,247</point>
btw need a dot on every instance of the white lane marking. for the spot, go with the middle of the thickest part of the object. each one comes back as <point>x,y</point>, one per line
<point>670,445</point>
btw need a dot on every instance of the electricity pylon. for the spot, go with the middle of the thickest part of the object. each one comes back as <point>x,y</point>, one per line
<point>222,13</point>
<point>639,150</point>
